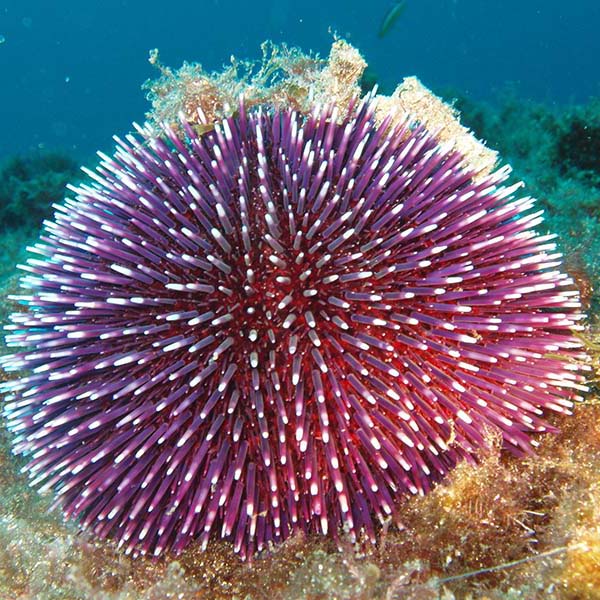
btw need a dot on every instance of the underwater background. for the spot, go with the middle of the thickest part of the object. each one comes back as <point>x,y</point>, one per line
<point>526,77</point>
<point>71,71</point>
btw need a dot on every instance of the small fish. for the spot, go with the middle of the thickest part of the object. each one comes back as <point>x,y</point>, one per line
<point>391,16</point>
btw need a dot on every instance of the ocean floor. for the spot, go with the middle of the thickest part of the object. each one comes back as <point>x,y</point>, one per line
<point>507,528</point>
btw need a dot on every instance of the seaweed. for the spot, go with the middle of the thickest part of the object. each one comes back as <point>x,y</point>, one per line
<point>578,147</point>
<point>29,185</point>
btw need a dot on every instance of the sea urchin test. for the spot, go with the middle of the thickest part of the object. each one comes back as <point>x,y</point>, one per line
<point>281,307</point>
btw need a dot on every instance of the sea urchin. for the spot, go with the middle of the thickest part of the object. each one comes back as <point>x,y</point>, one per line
<point>281,324</point>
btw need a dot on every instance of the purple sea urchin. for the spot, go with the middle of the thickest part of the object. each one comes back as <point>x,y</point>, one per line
<point>281,324</point>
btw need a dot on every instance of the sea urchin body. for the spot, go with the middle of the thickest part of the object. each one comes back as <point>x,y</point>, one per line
<point>282,324</point>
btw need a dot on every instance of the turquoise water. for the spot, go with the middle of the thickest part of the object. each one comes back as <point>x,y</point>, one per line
<point>72,70</point>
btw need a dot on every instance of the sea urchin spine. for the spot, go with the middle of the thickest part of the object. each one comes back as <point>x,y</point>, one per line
<point>282,324</point>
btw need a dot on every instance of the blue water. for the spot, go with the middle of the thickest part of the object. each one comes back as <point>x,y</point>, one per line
<point>71,70</point>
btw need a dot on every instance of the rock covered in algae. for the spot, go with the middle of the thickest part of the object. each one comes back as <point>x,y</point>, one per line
<point>287,77</point>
